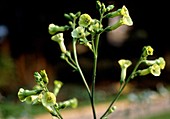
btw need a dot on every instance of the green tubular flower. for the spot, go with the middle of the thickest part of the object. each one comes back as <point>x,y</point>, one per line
<point>85,20</point>
<point>154,70</point>
<point>124,20</point>
<point>59,38</point>
<point>57,86</point>
<point>52,28</point>
<point>23,94</point>
<point>124,64</point>
<point>48,99</point>
<point>113,14</point>
<point>33,99</point>
<point>79,32</point>
<point>69,103</point>
<point>160,61</point>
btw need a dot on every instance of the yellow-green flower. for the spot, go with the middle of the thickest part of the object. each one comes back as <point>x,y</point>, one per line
<point>147,50</point>
<point>160,61</point>
<point>79,32</point>
<point>126,19</point>
<point>154,70</point>
<point>69,103</point>
<point>52,28</point>
<point>85,20</point>
<point>124,64</point>
<point>59,38</point>
<point>23,94</point>
<point>124,11</point>
<point>33,99</point>
<point>48,99</point>
<point>57,86</point>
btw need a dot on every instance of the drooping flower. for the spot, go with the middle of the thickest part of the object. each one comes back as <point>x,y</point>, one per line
<point>85,20</point>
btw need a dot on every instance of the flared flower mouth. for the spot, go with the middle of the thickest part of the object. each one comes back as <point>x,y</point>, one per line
<point>58,37</point>
<point>48,99</point>
<point>126,19</point>
<point>124,63</point>
<point>155,70</point>
<point>85,20</point>
<point>79,32</point>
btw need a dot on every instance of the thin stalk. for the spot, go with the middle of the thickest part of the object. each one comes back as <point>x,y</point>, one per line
<point>79,69</point>
<point>84,80</point>
<point>121,89</point>
<point>71,64</point>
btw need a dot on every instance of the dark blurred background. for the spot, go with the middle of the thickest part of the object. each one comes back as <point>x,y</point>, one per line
<point>26,47</point>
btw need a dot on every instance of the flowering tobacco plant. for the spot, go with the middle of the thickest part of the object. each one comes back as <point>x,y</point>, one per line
<point>86,31</point>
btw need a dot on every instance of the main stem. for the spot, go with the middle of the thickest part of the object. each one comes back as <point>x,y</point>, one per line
<point>94,72</point>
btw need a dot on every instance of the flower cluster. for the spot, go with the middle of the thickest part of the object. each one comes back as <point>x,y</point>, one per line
<point>41,95</point>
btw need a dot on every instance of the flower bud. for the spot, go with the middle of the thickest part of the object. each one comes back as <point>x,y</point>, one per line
<point>109,8</point>
<point>44,76</point>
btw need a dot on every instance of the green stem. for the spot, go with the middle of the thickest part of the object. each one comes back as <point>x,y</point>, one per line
<point>94,73</point>
<point>79,69</point>
<point>71,64</point>
<point>121,89</point>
